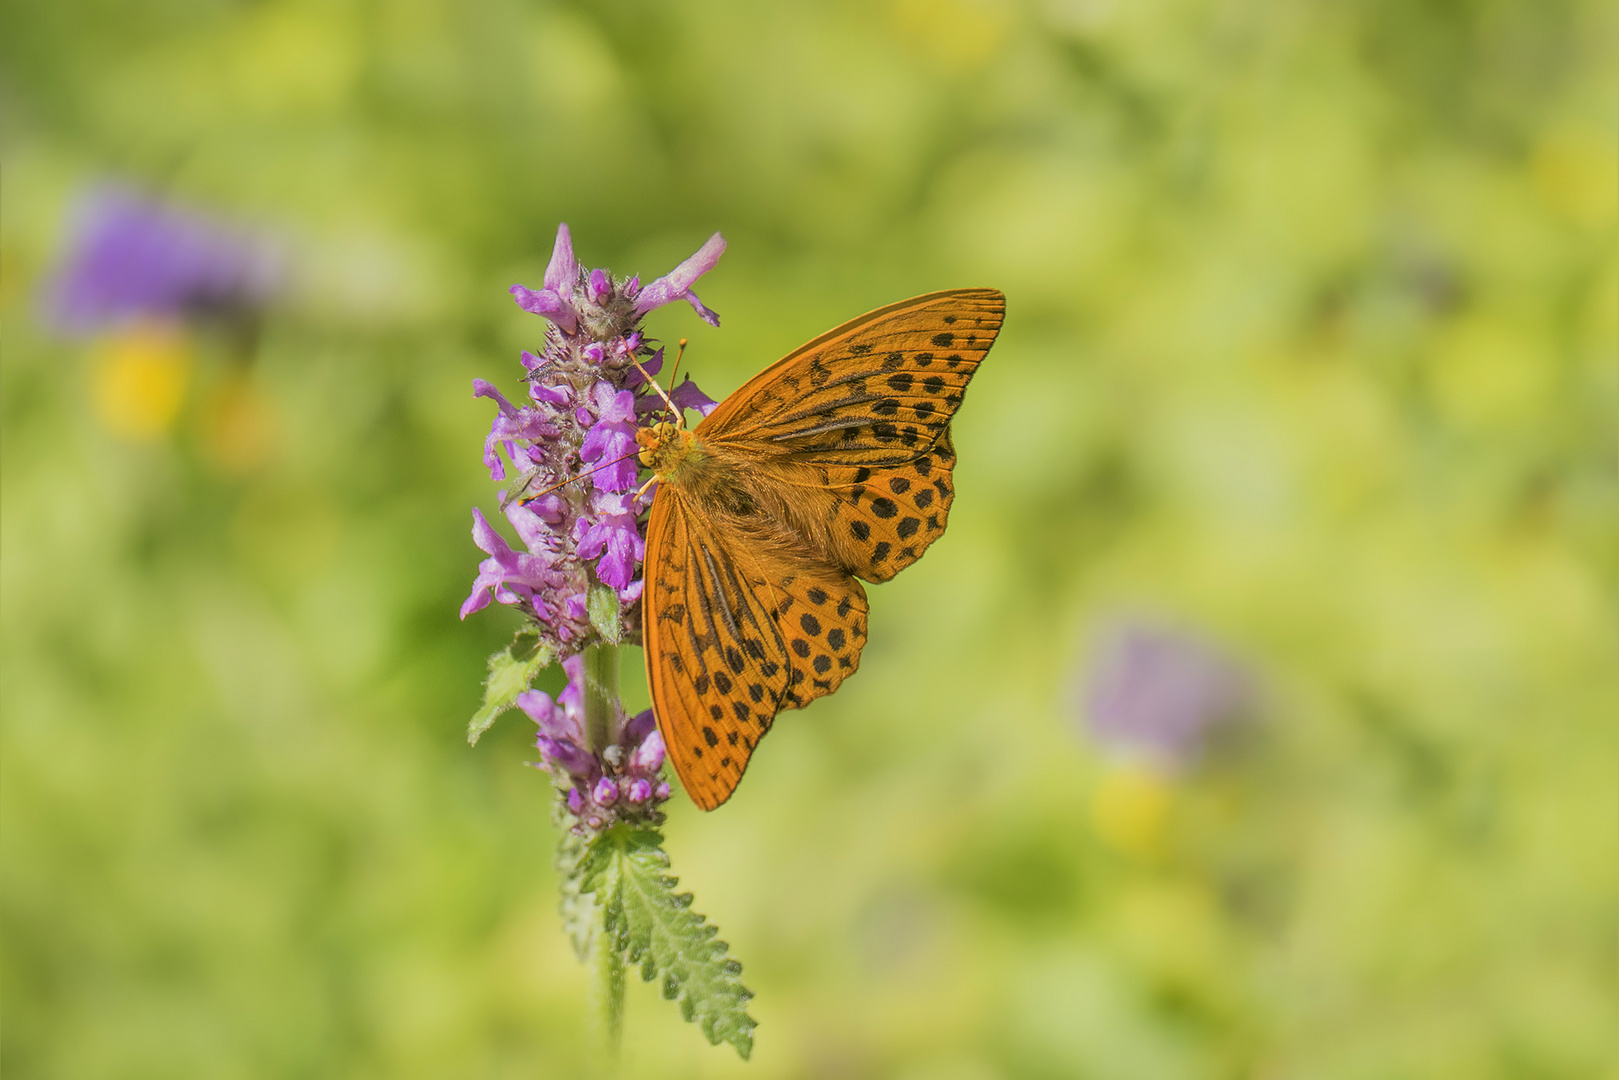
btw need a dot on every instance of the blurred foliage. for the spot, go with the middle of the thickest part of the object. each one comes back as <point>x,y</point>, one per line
<point>1313,312</point>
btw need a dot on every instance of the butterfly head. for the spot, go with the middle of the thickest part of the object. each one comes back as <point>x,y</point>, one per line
<point>664,447</point>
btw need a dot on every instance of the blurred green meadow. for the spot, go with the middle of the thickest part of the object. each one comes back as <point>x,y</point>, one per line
<point>1313,316</point>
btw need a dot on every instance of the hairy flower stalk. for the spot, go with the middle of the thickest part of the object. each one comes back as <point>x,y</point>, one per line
<point>566,452</point>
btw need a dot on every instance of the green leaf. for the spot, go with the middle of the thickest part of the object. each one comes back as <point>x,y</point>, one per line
<point>509,675</point>
<point>578,908</point>
<point>605,612</point>
<point>654,927</point>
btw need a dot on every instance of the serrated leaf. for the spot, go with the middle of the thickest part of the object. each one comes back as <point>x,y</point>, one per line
<point>510,673</point>
<point>655,930</point>
<point>605,612</point>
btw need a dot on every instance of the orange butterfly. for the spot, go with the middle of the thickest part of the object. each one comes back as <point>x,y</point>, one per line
<point>830,465</point>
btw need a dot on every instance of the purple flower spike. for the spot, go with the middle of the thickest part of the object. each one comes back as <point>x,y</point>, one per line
<point>677,283</point>
<point>579,424</point>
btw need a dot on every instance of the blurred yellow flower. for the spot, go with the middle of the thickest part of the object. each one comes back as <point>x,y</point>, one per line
<point>953,33</point>
<point>1130,809</point>
<point>139,379</point>
<point>1577,174</point>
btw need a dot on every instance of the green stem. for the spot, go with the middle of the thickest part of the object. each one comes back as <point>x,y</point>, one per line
<point>608,990</point>
<point>607,966</point>
<point>601,696</point>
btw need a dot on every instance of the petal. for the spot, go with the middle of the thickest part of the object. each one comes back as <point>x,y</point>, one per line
<point>637,728</point>
<point>549,395</point>
<point>649,755</point>
<point>488,540</point>
<point>688,396</point>
<point>568,754</point>
<point>706,314</point>
<point>677,283</point>
<point>548,303</point>
<point>540,708</point>
<point>477,601</point>
<point>562,273</point>
<point>481,388</point>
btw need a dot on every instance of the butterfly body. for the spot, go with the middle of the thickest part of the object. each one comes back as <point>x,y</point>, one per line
<point>831,466</point>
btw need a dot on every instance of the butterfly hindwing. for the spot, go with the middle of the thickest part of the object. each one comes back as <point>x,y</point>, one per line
<point>887,517</point>
<point>821,615</point>
<point>716,663</point>
<point>876,391</point>
<point>732,636</point>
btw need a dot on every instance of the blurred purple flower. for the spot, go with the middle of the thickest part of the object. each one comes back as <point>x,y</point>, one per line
<point>132,256</point>
<point>1161,692</point>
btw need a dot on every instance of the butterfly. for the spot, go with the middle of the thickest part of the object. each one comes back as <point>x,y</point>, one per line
<point>831,466</point>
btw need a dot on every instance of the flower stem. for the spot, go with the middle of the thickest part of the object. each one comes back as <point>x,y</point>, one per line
<point>601,696</point>
<point>607,988</point>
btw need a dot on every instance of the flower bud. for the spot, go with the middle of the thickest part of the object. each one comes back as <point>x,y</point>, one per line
<point>648,757</point>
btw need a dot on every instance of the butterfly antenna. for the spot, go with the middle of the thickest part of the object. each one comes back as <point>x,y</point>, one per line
<point>679,356</point>
<point>648,376</point>
<point>525,500</point>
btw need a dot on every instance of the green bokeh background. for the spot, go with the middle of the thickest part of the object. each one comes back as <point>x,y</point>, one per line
<point>1310,348</point>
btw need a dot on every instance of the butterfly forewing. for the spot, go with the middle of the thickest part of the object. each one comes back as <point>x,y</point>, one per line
<point>876,391</point>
